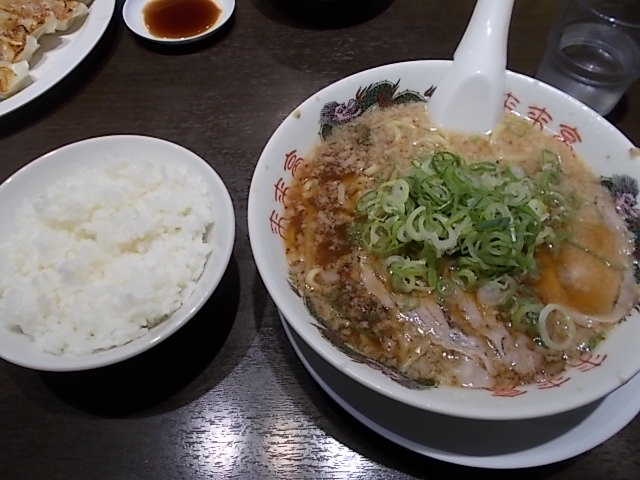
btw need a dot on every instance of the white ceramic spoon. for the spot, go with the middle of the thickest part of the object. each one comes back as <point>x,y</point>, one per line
<point>470,97</point>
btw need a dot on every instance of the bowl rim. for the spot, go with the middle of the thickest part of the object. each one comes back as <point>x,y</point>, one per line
<point>43,361</point>
<point>329,351</point>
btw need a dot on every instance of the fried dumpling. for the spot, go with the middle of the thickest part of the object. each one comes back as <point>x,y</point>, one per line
<point>33,25</point>
<point>19,35</point>
<point>13,51</point>
<point>13,77</point>
<point>22,23</point>
<point>65,12</point>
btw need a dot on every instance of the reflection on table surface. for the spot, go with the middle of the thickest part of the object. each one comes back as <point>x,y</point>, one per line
<point>226,396</point>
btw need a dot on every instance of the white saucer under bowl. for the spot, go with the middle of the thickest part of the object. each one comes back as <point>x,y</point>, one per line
<point>494,444</point>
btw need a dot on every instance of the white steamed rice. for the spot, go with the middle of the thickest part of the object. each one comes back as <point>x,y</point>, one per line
<point>104,255</point>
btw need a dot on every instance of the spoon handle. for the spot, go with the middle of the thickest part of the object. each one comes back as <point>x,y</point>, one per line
<point>487,32</point>
<point>470,96</point>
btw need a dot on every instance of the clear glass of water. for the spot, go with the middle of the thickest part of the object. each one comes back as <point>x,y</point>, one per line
<point>593,51</point>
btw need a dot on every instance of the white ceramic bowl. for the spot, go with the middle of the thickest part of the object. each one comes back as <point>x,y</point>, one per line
<point>133,16</point>
<point>27,182</point>
<point>608,151</point>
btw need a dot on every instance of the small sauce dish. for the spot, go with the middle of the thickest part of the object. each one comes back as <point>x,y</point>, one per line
<point>176,21</point>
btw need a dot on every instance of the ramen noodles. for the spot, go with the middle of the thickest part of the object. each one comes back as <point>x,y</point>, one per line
<point>477,261</point>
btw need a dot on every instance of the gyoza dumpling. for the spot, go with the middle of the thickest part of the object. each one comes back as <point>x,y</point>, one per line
<point>13,77</point>
<point>34,25</point>
<point>19,33</point>
<point>22,22</point>
<point>17,41</point>
<point>12,51</point>
<point>64,11</point>
<point>67,15</point>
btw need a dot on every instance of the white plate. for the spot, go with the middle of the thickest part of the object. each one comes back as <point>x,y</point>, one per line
<point>485,443</point>
<point>133,17</point>
<point>60,53</point>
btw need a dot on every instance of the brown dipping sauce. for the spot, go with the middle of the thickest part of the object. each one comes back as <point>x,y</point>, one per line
<point>180,18</point>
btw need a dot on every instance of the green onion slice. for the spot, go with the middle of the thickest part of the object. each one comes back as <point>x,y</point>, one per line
<point>480,220</point>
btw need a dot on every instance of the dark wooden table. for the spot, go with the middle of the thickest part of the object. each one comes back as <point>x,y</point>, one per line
<point>227,397</point>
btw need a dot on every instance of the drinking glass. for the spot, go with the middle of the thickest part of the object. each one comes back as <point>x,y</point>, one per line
<point>593,51</point>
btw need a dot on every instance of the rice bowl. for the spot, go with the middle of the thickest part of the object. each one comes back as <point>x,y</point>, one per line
<point>142,243</point>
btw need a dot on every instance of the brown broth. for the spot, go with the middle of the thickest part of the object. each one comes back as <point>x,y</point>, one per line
<point>331,271</point>
<point>180,18</point>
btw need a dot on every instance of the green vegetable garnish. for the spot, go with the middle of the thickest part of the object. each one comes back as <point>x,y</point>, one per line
<point>478,220</point>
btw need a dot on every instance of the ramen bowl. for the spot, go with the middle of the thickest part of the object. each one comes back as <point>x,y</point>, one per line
<point>605,149</point>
